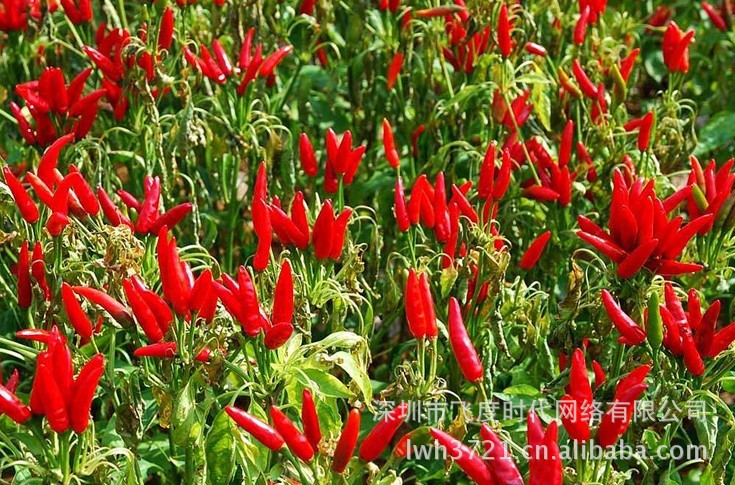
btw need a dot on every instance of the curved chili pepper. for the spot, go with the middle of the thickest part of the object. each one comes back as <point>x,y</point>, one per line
<point>25,127</point>
<point>310,419</point>
<point>469,461</point>
<point>171,217</point>
<point>56,223</point>
<point>271,62</point>
<point>35,334</point>
<point>347,442</point>
<point>588,88</point>
<point>295,439</point>
<point>464,351</point>
<point>613,425</point>
<point>223,60</point>
<point>625,325</point>
<point>103,62</point>
<point>262,432</point>
<point>381,434</point>
<point>11,406</point>
<point>501,464</point>
<point>112,306</point>
<point>277,335</point>
<point>78,319</point>
<point>580,28</point>
<point>26,206</point>
<point>83,391</point>
<point>160,350</point>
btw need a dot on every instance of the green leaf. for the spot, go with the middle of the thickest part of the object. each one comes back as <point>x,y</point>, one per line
<point>348,363</point>
<point>327,384</point>
<point>541,105</point>
<point>220,449</point>
<point>719,131</point>
<point>185,425</point>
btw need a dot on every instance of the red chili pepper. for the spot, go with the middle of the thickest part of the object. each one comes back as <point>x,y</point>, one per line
<point>415,310</point>
<point>308,160</point>
<point>399,207</point>
<point>615,423</point>
<point>264,230</point>
<point>536,49</point>
<point>171,217</point>
<point>149,208</point>
<point>271,62</point>
<point>533,253</point>
<point>389,145</point>
<point>157,305</point>
<point>166,30</point>
<point>717,20</point>
<point>394,69</point>
<point>505,43</point>
<point>323,231</point>
<point>580,395</point>
<point>54,402</point>
<point>103,63</point>
<point>347,442</point>
<point>310,419</point>
<point>246,49</point>
<point>338,233</point>
<point>722,340</point>
<point>633,334</point>
<point>501,464</point>
<point>11,406</point>
<point>580,28</point>
<point>223,60</point>
<point>175,284</point>
<point>203,296</point>
<point>83,391</point>
<point>25,127</point>
<point>35,334</point>
<point>588,88</point>
<point>160,350</point>
<point>381,434</point>
<point>469,461</point>
<point>676,48</point>
<point>464,351</point>
<point>77,317</point>
<point>432,331</point>
<point>26,206</point>
<point>112,306</point>
<point>143,313</point>
<point>630,266</point>
<point>440,11</point>
<point>262,432</point>
<point>277,335</point>
<point>251,319</point>
<point>283,300</point>
<point>295,440</point>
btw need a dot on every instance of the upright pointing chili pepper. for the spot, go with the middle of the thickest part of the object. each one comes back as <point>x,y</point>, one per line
<point>469,461</point>
<point>308,160</point>
<point>505,43</point>
<point>295,440</point>
<point>260,430</point>
<point>389,145</point>
<point>401,211</point>
<point>83,391</point>
<point>464,351</point>
<point>394,69</point>
<point>347,442</point>
<point>381,434</point>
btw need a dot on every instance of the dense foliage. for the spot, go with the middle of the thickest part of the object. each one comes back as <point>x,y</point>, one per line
<point>306,241</point>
